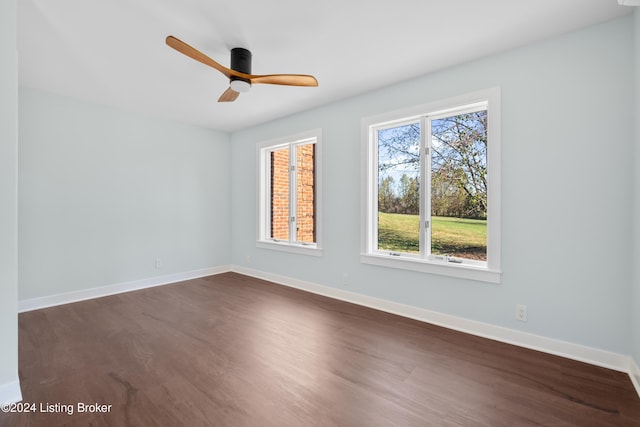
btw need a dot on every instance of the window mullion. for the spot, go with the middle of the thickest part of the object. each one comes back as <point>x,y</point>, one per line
<point>425,188</point>
<point>293,193</point>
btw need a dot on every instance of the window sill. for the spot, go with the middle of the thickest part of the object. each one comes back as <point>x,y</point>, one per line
<point>290,247</point>
<point>424,266</point>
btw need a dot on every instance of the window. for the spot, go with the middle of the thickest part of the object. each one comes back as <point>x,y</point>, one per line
<point>290,196</point>
<point>431,188</point>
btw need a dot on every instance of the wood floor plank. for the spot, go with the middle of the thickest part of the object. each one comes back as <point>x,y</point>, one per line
<point>230,350</point>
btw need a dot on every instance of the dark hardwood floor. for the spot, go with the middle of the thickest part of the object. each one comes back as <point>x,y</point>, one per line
<point>229,350</point>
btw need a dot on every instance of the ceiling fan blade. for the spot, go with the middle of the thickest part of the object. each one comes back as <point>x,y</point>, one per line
<point>193,53</point>
<point>285,79</point>
<point>229,95</point>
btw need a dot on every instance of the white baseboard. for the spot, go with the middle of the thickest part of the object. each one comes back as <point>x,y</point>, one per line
<point>85,294</point>
<point>634,374</point>
<point>10,392</point>
<point>569,350</point>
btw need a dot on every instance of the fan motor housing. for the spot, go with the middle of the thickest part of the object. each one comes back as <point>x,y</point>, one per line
<point>240,61</point>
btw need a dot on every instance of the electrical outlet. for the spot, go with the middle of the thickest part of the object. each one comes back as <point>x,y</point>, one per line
<point>345,279</point>
<point>158,263</point>
<point>521,312</point>
<point>248,258</point>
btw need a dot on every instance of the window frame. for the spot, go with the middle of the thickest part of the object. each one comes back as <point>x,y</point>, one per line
<point>263,225</point>
<point>435,264</point>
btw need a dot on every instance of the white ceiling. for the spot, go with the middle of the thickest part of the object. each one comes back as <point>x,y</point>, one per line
<point>113,52</point>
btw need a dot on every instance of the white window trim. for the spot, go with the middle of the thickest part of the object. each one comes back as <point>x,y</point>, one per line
<point>368,255</point>
<point>263,194</point>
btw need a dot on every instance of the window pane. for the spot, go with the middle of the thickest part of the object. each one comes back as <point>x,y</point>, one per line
<point>306,201</point>
<point>459,186</point>
<point>280,194</point>
<point>399,188</point>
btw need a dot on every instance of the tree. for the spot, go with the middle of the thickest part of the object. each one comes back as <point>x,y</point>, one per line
<point>459,155</point>
<point>386,197</point>
<point>409,195</point>
<point>400,148</point>
<point>446,197</point>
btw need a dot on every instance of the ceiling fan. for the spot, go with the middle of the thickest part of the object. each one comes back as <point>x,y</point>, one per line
<point>239,75</point>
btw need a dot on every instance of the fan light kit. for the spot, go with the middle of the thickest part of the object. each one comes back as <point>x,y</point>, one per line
<point>239,75</point>
<point>240,85</point>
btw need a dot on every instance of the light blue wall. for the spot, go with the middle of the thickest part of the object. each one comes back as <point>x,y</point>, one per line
<point>567,161</point>
<point>635,341</point>
<point>103,193</point>
<point>8,195</point>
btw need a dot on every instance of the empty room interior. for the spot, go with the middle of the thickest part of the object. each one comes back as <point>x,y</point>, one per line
<point>427,216</point>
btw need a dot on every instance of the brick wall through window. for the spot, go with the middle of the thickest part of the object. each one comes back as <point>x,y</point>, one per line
<point>280,194</point>
<point>305,193</point>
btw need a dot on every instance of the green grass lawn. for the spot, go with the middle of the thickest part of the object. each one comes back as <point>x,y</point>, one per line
<point>465,238</point>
